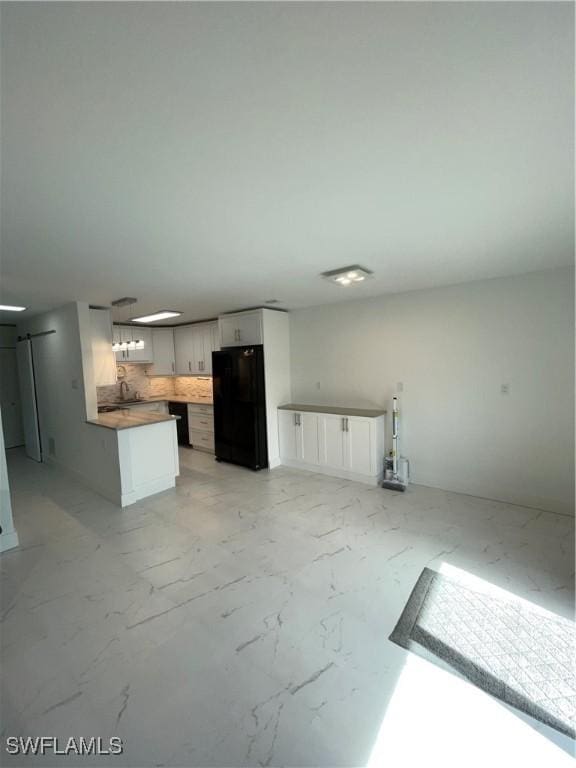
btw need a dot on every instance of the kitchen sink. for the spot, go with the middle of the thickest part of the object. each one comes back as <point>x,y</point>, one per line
<point>119,405</point>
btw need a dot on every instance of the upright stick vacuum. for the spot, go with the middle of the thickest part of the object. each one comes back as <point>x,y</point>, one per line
<point>394,483</point>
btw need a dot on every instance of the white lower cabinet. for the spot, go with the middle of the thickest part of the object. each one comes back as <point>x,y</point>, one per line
<point>201,426</point>
<point>351,447</point>
<point>298,434</point>
<point>331,441</point>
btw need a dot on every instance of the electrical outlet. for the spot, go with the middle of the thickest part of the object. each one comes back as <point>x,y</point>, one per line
<point>505,389</point>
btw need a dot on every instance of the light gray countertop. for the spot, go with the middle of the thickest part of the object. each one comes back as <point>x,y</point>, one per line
<point>370,413</point>
<point>126,419</point>
<point>163,399</point>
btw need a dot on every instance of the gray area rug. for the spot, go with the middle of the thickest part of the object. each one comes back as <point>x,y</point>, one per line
<point>520,656</point>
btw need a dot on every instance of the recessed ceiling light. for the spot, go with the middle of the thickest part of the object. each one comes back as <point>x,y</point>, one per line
<point>11,308</point>
<point>164,314</point>
<point>347,275</point>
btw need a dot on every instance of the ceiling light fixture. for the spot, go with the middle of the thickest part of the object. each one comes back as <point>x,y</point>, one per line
<point>347,275</point>
<point>164,314</point>
<point>11,308</point>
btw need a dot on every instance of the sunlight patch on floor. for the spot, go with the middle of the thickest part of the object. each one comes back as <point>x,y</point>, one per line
<point>436,718</point>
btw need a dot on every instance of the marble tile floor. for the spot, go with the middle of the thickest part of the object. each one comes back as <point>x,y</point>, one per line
<point>242,618</point>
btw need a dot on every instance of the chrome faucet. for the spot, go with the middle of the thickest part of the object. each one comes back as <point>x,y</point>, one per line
<point>123,393</point>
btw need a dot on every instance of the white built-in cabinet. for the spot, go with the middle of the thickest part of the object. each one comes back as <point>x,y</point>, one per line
<point>201,426</point>
<point>193,345</point>
<point>163,346</point>
<point>130,333</point>
<point>103,358</point>
<point>298,433</point>
<point>344,446</point>
<point>239,329</point>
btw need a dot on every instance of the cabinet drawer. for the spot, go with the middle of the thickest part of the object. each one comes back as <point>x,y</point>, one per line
<point>202,440</point>
<point>198,408</point>
<point>201,423</point>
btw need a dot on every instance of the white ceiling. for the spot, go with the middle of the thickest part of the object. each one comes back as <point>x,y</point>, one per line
<point>208,157</point>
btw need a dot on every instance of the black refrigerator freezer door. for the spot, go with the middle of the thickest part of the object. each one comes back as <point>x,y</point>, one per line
<point>239,406</point>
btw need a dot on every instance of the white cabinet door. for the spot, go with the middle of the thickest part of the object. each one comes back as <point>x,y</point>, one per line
<point>228,331</point>
<point>184,348</point>
<point>208,346</point>
<point>146,354</point>
<point>332,441</point>
<point>250,328</point>
<point>359,441</point>
<point>198,349</point>
<point>241,330</point>
<point>288,434</point>
<point>308,447</point>
<point>215,340</point>
<point>117,338</point>
<point>103,356</point>
<point>163,344</point>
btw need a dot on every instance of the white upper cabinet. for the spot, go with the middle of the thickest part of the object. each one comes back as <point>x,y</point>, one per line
<point>241,329</point>
<point>194,345</point>
<point>163,345</point>
<point>129,333</point>
<point>184,348</point>
<point>146,353</point>
<point>103,357</point>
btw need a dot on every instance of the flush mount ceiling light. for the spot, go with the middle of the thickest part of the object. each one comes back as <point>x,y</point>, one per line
<point>11,308</point>
<point>164,314</point>
<point>352,275</point>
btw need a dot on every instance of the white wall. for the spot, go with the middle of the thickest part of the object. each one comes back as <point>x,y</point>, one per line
<point>66,394</point>
<point>8,536</point>
<point>453,348</point>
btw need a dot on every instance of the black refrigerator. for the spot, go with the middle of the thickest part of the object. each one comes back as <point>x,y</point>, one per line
<point>240,406</point>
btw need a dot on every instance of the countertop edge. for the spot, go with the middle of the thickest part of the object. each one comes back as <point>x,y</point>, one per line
<point>162,418</point>
<point>336,410</point>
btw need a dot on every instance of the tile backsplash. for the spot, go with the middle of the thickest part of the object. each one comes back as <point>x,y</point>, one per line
<point>156,386</point>
<point>194,386</point>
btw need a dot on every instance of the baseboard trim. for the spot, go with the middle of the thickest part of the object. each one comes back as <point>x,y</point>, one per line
<point>147,489</point>
<point>107,493</point>
<point>343,474</point>
<point>8,541</point>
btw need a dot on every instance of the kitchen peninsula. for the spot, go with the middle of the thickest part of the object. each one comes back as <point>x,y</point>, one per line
<point>143,453</point>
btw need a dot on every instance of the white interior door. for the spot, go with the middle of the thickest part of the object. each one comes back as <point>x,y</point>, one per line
<point>10,399</point>
<point>28,399</point>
